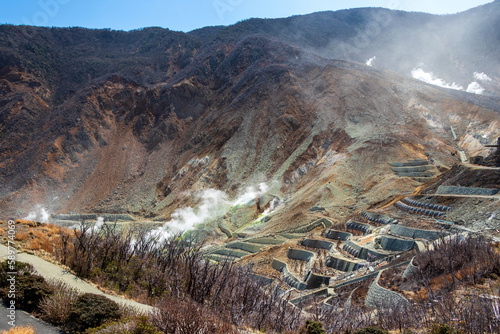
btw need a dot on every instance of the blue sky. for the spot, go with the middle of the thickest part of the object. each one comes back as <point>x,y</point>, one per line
<point>191,14</point>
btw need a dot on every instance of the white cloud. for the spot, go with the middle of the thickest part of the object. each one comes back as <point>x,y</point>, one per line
<point>481,77</point>
<point>430,78</point>
<point>370,61</point>
<point>475,87</point>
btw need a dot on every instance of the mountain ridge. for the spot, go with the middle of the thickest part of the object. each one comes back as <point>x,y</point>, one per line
<point>117,117</point>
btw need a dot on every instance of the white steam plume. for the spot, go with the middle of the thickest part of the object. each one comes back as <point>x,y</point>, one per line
<point>370,61</point>
<point>99,224</point>
<point>475,88</point>
<point>213,204</point>
<point>481,77</point>
<point>250,194</point>
<point>430,78</point>
<point>40,214</point>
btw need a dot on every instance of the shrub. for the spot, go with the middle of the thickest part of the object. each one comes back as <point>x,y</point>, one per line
<point>312,327</point>
<point>139,325</point>
<point>187,317</point>
<point>30,289</point>
<point>371,330</point>
<point>57,308</point>
<point>93,310</point>
<point>441,329</point>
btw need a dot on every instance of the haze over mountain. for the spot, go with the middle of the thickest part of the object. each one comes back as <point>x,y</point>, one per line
<point>127,122</point>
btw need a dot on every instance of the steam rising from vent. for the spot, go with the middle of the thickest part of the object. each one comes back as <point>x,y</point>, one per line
<point>370,61</point>
<point>430,78</point>
<point>40,214</point>
<point>250,194</point>
<point>481,77</point>
<point>213,205</point>
<point>475,87</point>
<point>98,225</point>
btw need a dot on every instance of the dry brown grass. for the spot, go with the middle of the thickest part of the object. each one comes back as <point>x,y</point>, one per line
<point>21,330</point>
<point>34,244</point>
<point>21,236</point>
<point>26,222</point>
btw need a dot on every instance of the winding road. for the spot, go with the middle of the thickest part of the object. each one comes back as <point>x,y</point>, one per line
<point>51,271</point>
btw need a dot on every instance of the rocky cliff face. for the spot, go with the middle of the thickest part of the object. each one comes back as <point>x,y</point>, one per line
<point>120,122</point>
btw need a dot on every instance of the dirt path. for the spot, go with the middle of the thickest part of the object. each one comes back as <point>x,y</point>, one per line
<point>51,271</point>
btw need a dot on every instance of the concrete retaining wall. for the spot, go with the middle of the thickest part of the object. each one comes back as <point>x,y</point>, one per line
<point>450,190</point>
<point>337,235</point>
<point>379,297</point>
<point>230,252</point>
<point>298,300</point>
<point>412,169</point>
<point>289,279</point>
<point>317,244</point>
<point>252,248</point>
<point>262,280</point>
<point>291,235</point>
<point>299,254</point>
<point>416,233</point>
<point>267,241</point>
<point>347,304</point>
<point>314,281</point>
<point>410,163</point>
<point>365,228</point>
<point>220,258</point>
<point>421,211</point>
<point>342,264</point>
<point>430,206</point>
<point>325,223</point>
<point>395,244</point>
<point>414,174</point>
<point>362,252</point>
<point>378,218</point>
<point>92,216</point>
<point>410,269</point>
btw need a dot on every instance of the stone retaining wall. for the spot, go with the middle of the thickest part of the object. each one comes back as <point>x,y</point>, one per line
<point>379,297</point>
<point>410,269</point>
